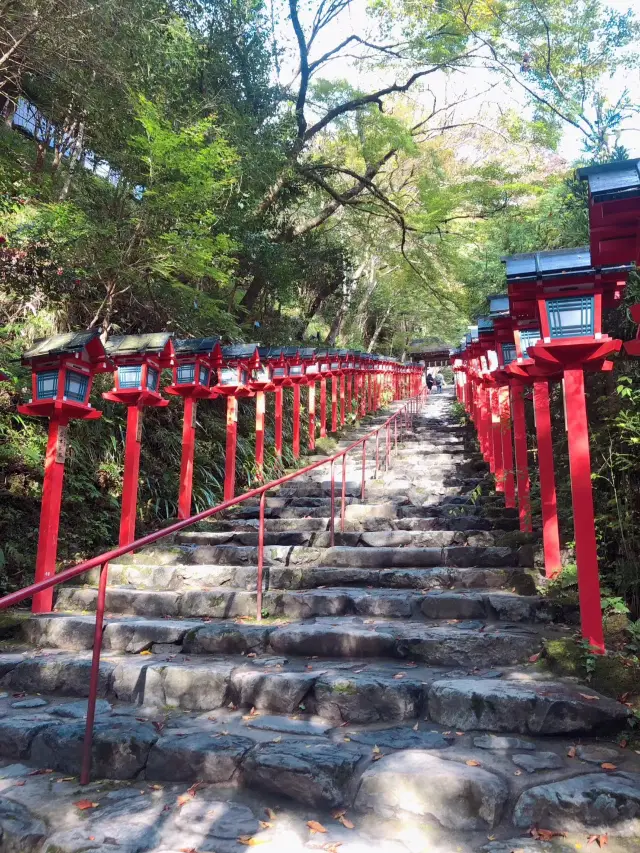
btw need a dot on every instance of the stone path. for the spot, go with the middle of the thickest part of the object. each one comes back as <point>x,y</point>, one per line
<point>389,687</point>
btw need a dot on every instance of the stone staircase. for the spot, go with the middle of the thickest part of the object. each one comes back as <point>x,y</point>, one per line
<point>398,657</point>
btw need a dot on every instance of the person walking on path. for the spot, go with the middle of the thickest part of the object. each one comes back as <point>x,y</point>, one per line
<point>429,380</point>
<point>439,382</point>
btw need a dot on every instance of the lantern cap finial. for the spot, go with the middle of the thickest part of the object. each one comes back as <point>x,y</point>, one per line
<point>195,346</point>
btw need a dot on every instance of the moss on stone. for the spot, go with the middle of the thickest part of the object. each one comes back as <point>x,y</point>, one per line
<point>345,688</point>
<point>612,675</point>
<point>11,622</point>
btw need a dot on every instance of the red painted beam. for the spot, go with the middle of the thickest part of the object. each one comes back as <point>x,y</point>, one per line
<point>583,513</point>
<point>550,531</point>
<point>50,511</point>
<point>230,450</point>
<point>296,421</point>
<point>133,444</point>
<point>185,491</point>
<point>522,463</point>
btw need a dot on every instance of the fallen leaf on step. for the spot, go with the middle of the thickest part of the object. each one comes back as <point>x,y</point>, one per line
<point>472,763</point>
<point>376,750</point>
<point>85,804</point>
<point>251,655</point>
<point>332,848</point>
<point>346,739</point>
<point>601,840</point>
<point>534,658</point>
<point>589,698</point>
<point>545,834</point>
<point>344,820</point>
<point>336,814</point>
<point>517,772</point>
<point>314,826</point>
<point>265,824</point>
<point>571,752</point>
<point>277,739</point>
<point>608,766</point>
<point>252,840</point>
<point>188,850</point>
<point>146,652</point>
<point>40,772</point>
<point>270,814</point>
<point>399,675</point>
<point>378,756</point>
<point>415,728</point>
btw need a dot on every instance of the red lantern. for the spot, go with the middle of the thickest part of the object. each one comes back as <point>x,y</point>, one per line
<point>63,368</point>
<point>194,364</point>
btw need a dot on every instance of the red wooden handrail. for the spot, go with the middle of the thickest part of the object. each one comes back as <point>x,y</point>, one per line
<point>404,416</point>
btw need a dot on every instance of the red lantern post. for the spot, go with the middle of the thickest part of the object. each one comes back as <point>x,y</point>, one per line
<point>139,361</point>
<point>238,364</point>
<point>63,368</point>
<point>194,363</point>
<point>570,294</point>
<point>312,373</point>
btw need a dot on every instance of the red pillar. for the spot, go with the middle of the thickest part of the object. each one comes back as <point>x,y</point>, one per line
<point>312,416</point>
<point>260,409</point>
<point>496,435</point>
<point>296,421</point>
<point>349,379</point>
<point>279,398</point>
<point>323,407</point>
<point>133,444</point>
<point>485,420</point>
<point>186,465</point>
<point>334,403</point>
<point>343,396</point>
<point>507,447</point>
<point>522,464</point>
<point>230,452</point>
<point>550,533</point>
<point>583,514</point>
<point>50,511</point>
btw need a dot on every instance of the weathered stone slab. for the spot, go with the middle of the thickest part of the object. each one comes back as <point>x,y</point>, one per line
<point>316,776</point>
<point>17,734</point>
<point>459,797</point>
<point>287,725</point>
<point>196,687</point>
<point>364,698</point>
<point>535,761</point>
<point>78,710</point>
<point>278,692</point>
<point>600,802</point>
<point>180,757</point>
<point>501,743</point>
<point>400,737</point>
<point>20,831</point>
<point>526,707</point>
<point>326,641</point>
<point>596,754</point>
<point>135,636</point>
<point>226,639</point>
<point>120,747</point>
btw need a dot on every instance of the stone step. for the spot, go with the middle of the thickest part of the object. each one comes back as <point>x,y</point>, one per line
<point>360,691</point>
<point>320,524</point>
<point>439,788</point>
<point>222,602</point>
<point>316,538</point>
<point>180,577</point>
<point>339,556</point>
<point>466,644</point>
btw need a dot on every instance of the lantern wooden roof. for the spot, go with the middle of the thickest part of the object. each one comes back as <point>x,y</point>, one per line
<point>70,343</point>
<point>195,346</point>
<point>499,306</point>
<point>558,263</point>
<point>241,352</point>
<point>612,181</point>
<point>156,343</point>
<point>307,353</point>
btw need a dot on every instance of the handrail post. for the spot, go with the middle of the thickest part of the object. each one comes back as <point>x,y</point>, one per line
<point>263,500</point>
<point>85,773</point>
<point>332,523</point>
<point>388,442</point>
<point>364,466</point>
<point>395,432</point>
<point>377,452</point>
<point>344,491</point>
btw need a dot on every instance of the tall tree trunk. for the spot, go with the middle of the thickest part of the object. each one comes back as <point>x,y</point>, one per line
<point>338,320</point>
<point>378,329</point>
<point>74,159</point>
